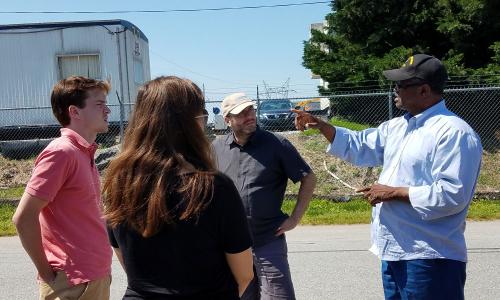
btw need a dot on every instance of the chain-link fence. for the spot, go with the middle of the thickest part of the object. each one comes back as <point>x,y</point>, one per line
<point>21,141</point>
<point>25,131</point>
<point>479,106</point>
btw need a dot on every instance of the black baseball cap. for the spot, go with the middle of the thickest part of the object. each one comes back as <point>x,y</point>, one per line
<point>421,66</point>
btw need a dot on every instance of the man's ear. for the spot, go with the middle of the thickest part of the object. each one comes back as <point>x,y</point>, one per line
<point>425,90</point>
<point>73,112</point>
<point>227,121</point>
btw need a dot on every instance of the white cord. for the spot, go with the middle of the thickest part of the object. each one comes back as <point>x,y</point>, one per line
<point>336,177</point>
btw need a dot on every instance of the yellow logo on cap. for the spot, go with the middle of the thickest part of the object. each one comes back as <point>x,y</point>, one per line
<point>409,62</point>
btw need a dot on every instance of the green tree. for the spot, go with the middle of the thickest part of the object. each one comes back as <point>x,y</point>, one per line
<point>365,37</point>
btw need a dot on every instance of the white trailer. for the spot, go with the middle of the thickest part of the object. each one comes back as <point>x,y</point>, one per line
<point>33,57</point>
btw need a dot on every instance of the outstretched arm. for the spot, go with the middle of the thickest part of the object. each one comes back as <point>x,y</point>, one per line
<point>28,227</point>
<point>307,185</point>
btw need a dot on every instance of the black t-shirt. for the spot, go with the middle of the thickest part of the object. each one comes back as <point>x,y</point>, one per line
<point>187,260</point>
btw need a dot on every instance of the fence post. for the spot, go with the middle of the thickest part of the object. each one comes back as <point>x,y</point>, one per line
<point>122,116</point>
<point>258,106</point>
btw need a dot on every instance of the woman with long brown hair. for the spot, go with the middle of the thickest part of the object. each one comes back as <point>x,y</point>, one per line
<point>177,226</point>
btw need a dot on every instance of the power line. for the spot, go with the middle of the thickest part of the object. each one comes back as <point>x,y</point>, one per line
<point>191,71</point>
<point>168,10</point>
<point>239,85</point>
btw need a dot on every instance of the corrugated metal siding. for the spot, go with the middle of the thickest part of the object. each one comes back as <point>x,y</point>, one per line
<point>28,69</point>
<point>26,76</point>
<point>138,52</point>
<point>98,40</point>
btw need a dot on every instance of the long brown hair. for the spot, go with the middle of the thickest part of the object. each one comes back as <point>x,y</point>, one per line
<point>162,135</point>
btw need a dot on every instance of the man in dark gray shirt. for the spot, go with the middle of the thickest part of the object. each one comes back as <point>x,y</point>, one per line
<point>260,164</point>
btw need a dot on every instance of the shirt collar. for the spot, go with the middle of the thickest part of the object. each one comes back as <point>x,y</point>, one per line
<point>426,114</point>
<point>230,137</point>
<point>79,141</point>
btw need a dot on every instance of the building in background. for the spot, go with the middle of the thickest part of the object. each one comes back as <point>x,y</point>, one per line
<point>35,56</point>
<point>322,27</point>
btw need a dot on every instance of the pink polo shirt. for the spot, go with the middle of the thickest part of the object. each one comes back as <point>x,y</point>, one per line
<point>74,235</point>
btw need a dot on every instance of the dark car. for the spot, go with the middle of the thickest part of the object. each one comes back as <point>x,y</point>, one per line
<point>276,115</point>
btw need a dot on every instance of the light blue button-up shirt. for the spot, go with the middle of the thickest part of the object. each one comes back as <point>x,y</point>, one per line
<point>437,156</point>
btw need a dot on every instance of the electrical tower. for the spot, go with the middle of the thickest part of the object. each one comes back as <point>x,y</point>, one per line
<point>279,92</point>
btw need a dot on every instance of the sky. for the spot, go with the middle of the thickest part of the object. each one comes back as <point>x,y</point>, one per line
<point>223,51</point>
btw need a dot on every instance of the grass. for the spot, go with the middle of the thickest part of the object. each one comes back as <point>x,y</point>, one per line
<point>317,145</point>
<point>324,212</point>
<point>6,226</point>
<point>12,193</point>
<point>336,121</point>
<point>320,212</point>
<point>483,209</point>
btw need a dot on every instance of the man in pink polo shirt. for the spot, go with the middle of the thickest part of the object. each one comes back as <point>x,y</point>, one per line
<point>59,217</point>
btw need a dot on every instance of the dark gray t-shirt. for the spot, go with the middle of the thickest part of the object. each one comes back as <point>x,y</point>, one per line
<point>260,170</point>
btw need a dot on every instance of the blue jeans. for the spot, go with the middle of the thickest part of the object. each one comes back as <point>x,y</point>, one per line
<point>272,270</point>
<point>423,279</point>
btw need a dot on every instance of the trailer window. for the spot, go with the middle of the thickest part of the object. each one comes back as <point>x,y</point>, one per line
<point>138,72</point>
<point>79,65</point>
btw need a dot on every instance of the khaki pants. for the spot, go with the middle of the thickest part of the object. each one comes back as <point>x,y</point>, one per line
<point>60,289</point>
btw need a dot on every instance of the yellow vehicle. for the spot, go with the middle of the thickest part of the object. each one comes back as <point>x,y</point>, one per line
<point>316,106</point>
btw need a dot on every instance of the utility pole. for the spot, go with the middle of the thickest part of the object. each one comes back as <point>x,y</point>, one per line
<point>258,106</point>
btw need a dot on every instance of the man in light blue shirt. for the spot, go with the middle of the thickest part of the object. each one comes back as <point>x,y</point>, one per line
<point>431,160</point>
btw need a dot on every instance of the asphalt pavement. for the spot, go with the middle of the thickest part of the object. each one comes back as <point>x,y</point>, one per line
<point>327,262</point>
